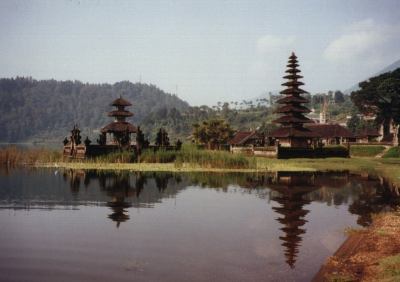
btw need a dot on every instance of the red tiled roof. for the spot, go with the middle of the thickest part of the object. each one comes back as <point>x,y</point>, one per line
<point>119,126</point>
<point>368,132</point>
<point>242,136</point>
<point>330,130</point>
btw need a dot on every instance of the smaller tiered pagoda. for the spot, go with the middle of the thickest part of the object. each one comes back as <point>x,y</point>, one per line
<point>120,129</point>
<point>292,133</point>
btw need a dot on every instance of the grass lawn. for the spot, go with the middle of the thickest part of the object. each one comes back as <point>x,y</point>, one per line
<point>366,150</point>
<point>393,152</point>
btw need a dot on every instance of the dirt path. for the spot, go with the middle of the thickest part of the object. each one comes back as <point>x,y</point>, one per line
<point>372,254</point>
<point>380,155</point>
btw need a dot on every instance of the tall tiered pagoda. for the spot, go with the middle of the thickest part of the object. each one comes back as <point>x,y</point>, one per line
<point>119,129</point>
<point>292,133</point>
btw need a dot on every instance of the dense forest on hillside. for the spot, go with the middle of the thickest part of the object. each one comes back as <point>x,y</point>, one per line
<point>39,110</point>
<point>46,110</point>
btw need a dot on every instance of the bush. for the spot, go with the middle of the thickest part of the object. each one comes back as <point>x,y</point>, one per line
<point>393,152</point>
<point>366,150</point>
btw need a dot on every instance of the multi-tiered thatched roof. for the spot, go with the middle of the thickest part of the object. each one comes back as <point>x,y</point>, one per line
<point>291,106</point>
<point>120,125</point>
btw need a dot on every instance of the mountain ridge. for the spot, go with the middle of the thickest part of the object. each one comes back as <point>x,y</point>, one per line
<point>389,68</point>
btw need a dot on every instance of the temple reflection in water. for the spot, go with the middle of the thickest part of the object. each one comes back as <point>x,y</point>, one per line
<point>124,190</point>
<point>291,190</point>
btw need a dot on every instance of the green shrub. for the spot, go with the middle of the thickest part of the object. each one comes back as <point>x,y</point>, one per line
<point>393,152</point>
<point>366,150</point>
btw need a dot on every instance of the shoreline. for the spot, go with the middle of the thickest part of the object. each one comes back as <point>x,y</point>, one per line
<point>371,254</point>
<point>387,168</point>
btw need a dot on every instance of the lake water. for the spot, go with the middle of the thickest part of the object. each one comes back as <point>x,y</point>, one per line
<point>61,225</point>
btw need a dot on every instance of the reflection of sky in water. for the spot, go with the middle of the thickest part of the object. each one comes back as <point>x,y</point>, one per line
<point>172,227</point>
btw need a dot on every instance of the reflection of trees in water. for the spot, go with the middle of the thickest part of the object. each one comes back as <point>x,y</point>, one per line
<point>374,197</point>
<point>292,189</point>
<point>124,189</point>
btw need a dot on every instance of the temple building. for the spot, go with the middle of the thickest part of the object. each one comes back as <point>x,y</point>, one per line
<point>292,132</point>
<point>115,136</point>
<point>119,130</point>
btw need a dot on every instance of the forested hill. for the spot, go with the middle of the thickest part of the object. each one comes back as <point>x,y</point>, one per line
<point>47,109</point>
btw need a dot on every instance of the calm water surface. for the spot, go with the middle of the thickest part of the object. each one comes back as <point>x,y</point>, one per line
<point>59,225</point>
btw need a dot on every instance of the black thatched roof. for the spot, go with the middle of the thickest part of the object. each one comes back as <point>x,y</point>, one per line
<point>119,126</point>
<point>120,113</point>
<point>285,132</point>
<point>121,102</point>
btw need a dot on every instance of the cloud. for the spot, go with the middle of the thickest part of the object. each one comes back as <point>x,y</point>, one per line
<point>271,44</point>
<point>267,67</point>
<point>365,42</point>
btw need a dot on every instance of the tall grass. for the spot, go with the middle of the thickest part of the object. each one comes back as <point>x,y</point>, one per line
<point>115,157</point>
<point>203,158</point>
<point>159,156</point>
<point>13,156</point>
<point>214,159</point>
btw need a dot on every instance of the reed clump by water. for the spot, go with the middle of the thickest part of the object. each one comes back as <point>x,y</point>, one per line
<point>215,159</point>
<point>13,156</point>
<point>204,158</point>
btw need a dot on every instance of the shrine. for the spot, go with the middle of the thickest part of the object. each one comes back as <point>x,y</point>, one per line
<point>292,132</point>
<point>115,136</point>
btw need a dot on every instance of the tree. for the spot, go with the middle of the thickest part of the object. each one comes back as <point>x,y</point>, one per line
<point>87,141</point>
<point>213,133</point>
<point>338,97</point>
<point>162,138</point>
<point>140,140</point>
<point>380,96</point>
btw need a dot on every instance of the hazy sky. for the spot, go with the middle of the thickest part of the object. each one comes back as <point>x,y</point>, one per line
<point>207,51</point>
